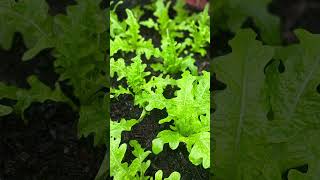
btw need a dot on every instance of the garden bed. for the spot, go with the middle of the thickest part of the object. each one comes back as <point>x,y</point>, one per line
<point>46,144</point>
<point>145,132</point>
<point>123,105</point>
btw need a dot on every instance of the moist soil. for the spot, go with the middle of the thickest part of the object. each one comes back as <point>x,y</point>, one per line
<point>47,145</point>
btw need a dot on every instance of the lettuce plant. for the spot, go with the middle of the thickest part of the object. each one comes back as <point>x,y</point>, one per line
<point>197,25</point>
<point>138,167</point>
<point>38,92</point>
<point>125,36</point>
<point>230,15</point>
<point>267,118</point>
<point>182,37</point>
<point>193,127</point>
<point>78,41</point>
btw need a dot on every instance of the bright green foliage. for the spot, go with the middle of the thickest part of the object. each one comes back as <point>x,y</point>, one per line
<point>174,56</point>
<point>200,33</point>
<point>118,169</point>
<point>198,25</point>
<point>231,15</point>
<point>172,61</point>
<point>138,167</point>
<point>117,92</point>
<point>134,73</point>
<point>125,36</point>
<point>117,27</point>
<point>164,23</point>
<point>193,127</point>
<point>181,38</point>
<point>173,176</point>
<point>192,97</point>
<point>248,143</point>
<point>151,96</point>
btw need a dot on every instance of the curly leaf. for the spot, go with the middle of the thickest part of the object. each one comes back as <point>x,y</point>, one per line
<point>134,73</point>
<point>38,92</point>
<point>192,97</point>
<point>31,19</point>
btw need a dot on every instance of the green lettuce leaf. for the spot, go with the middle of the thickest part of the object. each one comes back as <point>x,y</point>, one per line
<point>136,170</point>
<point>266,120</point>
<point>173,176</point>
<point>231,14</point>
<point>134,73</point>
<point>191,128</point>
<point>126,36</point>
<point>38,92</point>
<point>240,123</point>
<point>295,103</point>
<point>31,19</point>
<point>172,61</point>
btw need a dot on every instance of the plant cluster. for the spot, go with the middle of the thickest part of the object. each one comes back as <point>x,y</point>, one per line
<point>78,41</point>
<point>149,72</point>
<point>266,119</point>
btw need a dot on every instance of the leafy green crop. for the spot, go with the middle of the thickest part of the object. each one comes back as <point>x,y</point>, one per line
<point>125,36</point>
<point>192,97</point>
<point>197,25</point>
<point>79,43</point>
<point>266,120</point>
<point>230,15</point>
<point>79,46</point>
<point>138,167</point>
<point>148,70</point>
<point>37,93</point>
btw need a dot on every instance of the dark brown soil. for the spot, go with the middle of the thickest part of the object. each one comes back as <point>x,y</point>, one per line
<point>47,147</point>
<point>297,14</point>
